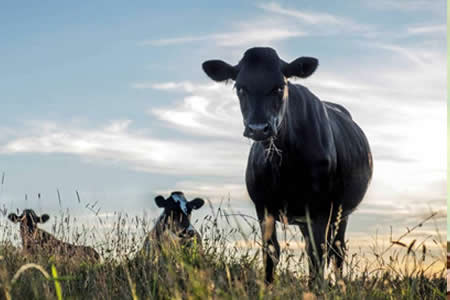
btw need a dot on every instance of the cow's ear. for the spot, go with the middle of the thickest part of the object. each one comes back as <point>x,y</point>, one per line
<point>196,203</point>
<point>219,70</point>
<point>13,217</point>
<point>301,67</point>
<point>160,201</point>
<point>44,218</point>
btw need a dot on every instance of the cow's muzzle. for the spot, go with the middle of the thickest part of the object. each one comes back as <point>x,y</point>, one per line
<point>259,132</point>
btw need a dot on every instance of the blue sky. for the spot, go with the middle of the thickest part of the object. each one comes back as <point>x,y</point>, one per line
<point>108,98</point>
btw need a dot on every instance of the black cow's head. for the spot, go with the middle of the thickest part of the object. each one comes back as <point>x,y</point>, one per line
<point>177,213</point>
<point>261,85</point>
<point>28,219</point>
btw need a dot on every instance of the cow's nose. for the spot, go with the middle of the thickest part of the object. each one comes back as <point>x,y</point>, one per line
<point>258,132</point>
<point>190,233</point>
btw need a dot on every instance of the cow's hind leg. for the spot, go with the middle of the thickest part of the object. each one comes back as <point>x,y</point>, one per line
<point>271,248</point>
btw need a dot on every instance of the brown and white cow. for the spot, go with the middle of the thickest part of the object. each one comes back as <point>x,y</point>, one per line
<point>38,241</point>
<point>174,224</point>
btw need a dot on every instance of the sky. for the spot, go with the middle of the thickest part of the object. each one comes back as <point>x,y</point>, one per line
<point>108,99</point>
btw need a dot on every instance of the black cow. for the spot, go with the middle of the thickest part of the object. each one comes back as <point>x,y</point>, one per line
<point>310,163</point>
<point>174,222</point>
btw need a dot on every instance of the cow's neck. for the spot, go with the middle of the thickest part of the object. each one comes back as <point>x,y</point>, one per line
<point>303,123</point>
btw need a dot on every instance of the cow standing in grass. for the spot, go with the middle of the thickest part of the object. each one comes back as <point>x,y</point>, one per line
<point>310,163</point>
<point>36,241</point>
<point>174,224</point>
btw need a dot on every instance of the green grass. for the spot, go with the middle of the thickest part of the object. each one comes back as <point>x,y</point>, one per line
<point>221,270</point>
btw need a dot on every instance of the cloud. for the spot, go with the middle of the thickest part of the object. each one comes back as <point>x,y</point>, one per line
<point>205,110</point>
<point>427,29</point>
<point>247,35</point>
<point>422,56</point>
<point>400,79</point>
<point>314,18</point>
<point>178,40</point>
<point>182,86</point>
<point>319,23</point>
<point>210,109</point>
<point>271,27</point>
<point>307,17</point>
<point>117,142</point>
<point>408,5</point>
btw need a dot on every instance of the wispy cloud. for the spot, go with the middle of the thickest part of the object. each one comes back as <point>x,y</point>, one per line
<point>182,86</point>
<point>408,5</point>
<point>327,22</point>
<point>248,35</point>
<point>309,17</point>
<point>205,110</point>
<point>271,27</point>
<point>427,29</point>
<point>118,143</point>
<point>210,109</point>
<point>178,40</point>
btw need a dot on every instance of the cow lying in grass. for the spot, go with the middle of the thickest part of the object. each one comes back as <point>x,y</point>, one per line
<point>174,224</point>
<point>38,241</point>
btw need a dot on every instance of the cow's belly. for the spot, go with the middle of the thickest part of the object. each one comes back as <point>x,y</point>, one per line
<point>290,192</point>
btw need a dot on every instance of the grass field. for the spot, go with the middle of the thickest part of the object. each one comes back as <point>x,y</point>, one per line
<point>220,270</point>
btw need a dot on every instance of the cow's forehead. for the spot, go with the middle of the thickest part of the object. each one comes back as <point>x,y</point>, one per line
<point>260,69</point>
<point>29,212</point>
<point>181,200</point>
<point>262,64</point>
<point>261,56</point>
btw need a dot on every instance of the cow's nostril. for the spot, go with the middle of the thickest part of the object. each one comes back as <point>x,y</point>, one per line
<point>266,129</point>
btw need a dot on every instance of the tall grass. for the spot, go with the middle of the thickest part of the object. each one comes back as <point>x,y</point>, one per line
<point>227,266</point>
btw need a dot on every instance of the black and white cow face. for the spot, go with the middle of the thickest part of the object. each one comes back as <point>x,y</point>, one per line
<point>28,219</point>
<point>262,88</point>
<point>177,213</point>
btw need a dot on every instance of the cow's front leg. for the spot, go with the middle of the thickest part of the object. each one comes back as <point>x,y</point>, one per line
<point>271,248</point>
<point>314,234</point>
